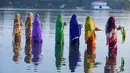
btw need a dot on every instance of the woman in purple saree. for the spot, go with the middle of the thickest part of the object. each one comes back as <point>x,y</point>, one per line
<point>37,30</point>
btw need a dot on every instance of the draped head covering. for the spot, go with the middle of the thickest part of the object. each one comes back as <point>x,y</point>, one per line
<point>28,25</point>
<point>37,29</point>
<point>29,17</point>
<point>110,24</point>
<point>60,19</point>
<point>17,15</point>
<point>89,27</point>
<point>17,26</point>
<point>110,28</point>
<point>36,25</point>
<point>30,14</point>
<point>36,21</point>
<point>74,29</point>
<point>59,27</point>
<point>17,19</point>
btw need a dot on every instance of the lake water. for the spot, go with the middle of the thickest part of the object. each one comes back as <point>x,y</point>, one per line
<point>46,61</point>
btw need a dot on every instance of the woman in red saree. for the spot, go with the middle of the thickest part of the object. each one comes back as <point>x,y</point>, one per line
<point>111,36</point>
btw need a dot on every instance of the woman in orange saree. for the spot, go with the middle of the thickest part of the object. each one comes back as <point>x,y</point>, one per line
<point>17,29</point>
<point>90,36</point>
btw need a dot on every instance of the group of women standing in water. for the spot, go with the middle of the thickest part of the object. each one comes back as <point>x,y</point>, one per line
<point>33,29</point>
<point>90,36</point>
<point>90,39</point>
<point>33,33</point>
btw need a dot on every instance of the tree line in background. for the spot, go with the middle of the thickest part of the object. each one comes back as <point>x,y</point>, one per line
<point>119,4</point>
<point>114,4</point>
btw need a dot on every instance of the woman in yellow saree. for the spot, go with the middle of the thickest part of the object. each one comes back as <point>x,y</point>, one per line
<point>90,36</point>
<point>17,29</point>
<point>28,28</point>
<point>16,38</point>
<point>89,62</point>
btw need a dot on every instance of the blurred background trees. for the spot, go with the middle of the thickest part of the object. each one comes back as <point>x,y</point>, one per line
<point>114,4</point>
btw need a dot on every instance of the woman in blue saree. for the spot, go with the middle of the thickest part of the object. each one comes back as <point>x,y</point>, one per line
<point>74,53</point>
<point>75,32</point>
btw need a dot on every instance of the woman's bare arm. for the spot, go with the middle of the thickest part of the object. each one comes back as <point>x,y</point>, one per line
<point>97,29</point>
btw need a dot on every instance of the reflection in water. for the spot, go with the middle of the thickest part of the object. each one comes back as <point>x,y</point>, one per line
<point>110,63</point>
<point>16,50</point>
<point>59,56</point>
<point>122,64</point>
<point>74,56</point>
<point>100,18</point>
<point>89,61</point>
<point>28,53</point>
<point>110,66</point>
<point>36,52</point>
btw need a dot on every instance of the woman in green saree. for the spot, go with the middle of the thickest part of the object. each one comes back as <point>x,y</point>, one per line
<point>59,38</point>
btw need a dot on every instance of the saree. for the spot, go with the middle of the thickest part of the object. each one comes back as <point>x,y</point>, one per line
<point>90,36</point>
<point>75,31</point>
<point>111,36</point>
<point>110,63</point>
<point>74,58</point>
<point>36,52</point>
<point>59,55</point>
<point>89,62</point>
<point>16,51</point>
<point>28,53</point>
<point>59,38</point>
<point>28,28</point>
<point>17,29</point>
<point>36,30</point>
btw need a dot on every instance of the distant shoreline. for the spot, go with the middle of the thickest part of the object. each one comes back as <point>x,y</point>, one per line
<point>33,9</point>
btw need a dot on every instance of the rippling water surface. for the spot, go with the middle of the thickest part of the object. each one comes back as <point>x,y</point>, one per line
<point>45,61</point>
